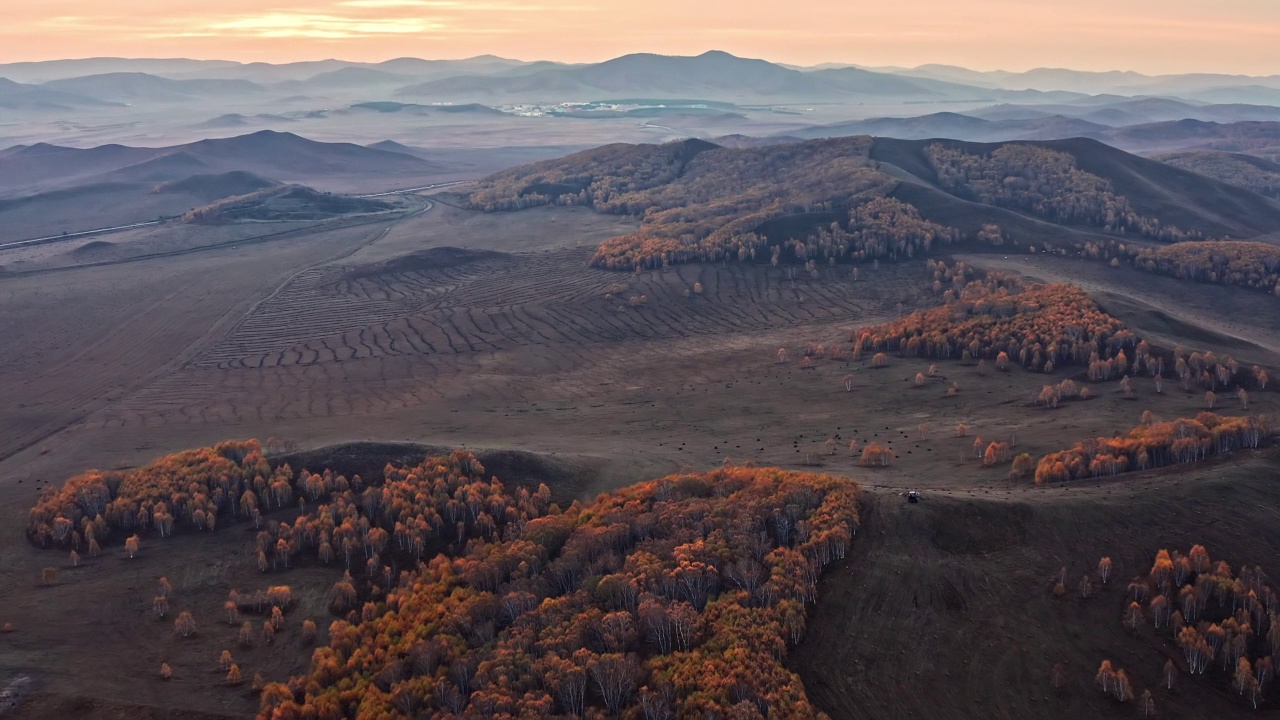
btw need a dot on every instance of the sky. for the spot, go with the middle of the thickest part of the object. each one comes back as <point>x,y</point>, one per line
<point>1152,36</point>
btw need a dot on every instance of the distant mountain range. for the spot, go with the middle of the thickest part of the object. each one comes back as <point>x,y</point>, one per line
<point>284,157</point>
<point>712,75</point>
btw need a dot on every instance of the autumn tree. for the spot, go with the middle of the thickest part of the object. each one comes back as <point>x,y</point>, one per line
<point>615,676</point>
<point>166,672</point>
<point>185,625</point>
<point>1104,569</point>
<point>233,675</point>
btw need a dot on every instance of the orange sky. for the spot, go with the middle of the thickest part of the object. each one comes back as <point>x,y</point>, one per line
<point>1238,36</point>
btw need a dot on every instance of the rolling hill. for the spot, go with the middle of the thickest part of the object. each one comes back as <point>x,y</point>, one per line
<point>855,199</point>
<point>1244,171</point>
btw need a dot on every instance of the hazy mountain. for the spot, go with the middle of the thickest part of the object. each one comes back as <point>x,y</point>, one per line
<point>1117,82</point>
<point>19,96</point>
<point>280,156</point>
<point>348,78</point>
<point>41,72</point>
<point>1254,138</point>
<point>141,86</point>
<point>1118,111</point>
<point>959,127</point>
<point>713,75</point>
<point>1244,94</point>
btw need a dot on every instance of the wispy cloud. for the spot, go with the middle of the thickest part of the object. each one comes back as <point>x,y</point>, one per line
<point>448,5</point>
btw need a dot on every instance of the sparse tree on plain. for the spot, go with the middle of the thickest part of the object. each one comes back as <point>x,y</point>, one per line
<point>879,360</point>
<point>1210,398</point>
<point>1106,676</point>
<point>1123,689</point>
<point>1104,569</point>
<point>233,675</point>
<point>308,631</point>
<point>225,661</point>
<point>1133,616</point>
<point>160,606</point>
<point>166,672</point>
<point>1148,704</point>
<point>185,625</point>
<point>131,546</point>
<point>782,355</point>
<point>245,637</point>
<point>75,559</point>
<point>1170,674</point>
<point>49,576</point>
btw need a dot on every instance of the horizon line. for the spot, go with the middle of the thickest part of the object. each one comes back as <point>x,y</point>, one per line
<point>871,68</point>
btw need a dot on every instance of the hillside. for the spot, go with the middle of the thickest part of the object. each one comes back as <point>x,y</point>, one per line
<point>858,199</point>
<point>1152,190</point>
<point>1243,171</point>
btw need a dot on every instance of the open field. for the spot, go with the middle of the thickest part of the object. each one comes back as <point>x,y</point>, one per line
<point>490,331</point>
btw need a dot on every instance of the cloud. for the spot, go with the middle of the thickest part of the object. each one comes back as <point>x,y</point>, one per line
<point>451,5</point>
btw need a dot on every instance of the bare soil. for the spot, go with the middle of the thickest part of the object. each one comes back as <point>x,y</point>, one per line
<point>333,337</point>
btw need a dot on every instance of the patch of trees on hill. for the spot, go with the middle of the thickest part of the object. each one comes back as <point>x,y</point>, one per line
<point>677,597</point>
<point>1154,445</point>
<point>673,598</point>
<point>821,201</point>
<point>997,317</point>
<point>1046,183</point>
<point>1221,624</point>
<point>1253,265</point>
<point>189,489</point>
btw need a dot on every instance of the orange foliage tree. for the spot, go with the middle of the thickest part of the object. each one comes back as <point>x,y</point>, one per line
<point>1156,445</point>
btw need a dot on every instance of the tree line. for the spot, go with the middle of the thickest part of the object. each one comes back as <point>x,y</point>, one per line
<point>1154,445</point>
